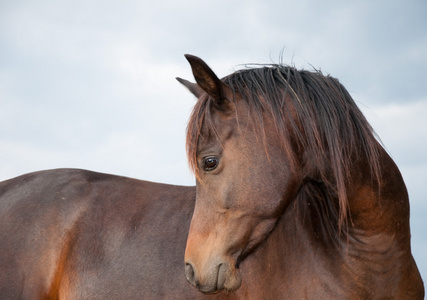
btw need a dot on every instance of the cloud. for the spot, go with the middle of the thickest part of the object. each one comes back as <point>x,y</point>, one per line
<point>92,86</point>
<point>403,130</point>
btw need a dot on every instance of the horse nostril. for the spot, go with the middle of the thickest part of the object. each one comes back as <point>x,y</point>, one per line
<point>189,273</point>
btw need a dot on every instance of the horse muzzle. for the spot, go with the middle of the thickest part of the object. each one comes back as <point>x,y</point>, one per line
<point>213,276</point>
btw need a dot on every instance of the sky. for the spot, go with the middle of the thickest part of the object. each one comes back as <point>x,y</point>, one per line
<point>91,84</point>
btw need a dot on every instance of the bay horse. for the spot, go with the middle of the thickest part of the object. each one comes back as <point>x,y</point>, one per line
<point>294,199</point>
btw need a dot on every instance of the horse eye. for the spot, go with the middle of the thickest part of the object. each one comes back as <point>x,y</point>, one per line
<point>210,163</point>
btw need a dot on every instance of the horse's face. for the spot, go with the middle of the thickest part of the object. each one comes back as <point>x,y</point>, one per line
<point>245,181</point>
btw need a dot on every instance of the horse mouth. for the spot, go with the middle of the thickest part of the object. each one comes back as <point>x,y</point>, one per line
<point>219,285</point>
<point>223,277</point>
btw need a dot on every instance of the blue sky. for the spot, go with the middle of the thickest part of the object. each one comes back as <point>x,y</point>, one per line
<point>91,84</point>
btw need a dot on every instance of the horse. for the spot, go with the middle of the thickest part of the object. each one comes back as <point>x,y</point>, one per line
<point>294,198</point>
<point>76,234</point>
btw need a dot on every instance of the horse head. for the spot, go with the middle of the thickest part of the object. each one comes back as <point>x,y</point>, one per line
<point>245,179</point>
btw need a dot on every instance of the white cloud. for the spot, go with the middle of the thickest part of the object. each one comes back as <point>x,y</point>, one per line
<point>92,86</point>
<point>403,129</point>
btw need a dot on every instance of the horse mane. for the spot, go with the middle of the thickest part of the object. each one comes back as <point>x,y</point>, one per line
<point>325,120</point>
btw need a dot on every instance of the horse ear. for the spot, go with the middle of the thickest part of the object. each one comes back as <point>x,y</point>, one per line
<point>207,80</point>
<point>194,88</point>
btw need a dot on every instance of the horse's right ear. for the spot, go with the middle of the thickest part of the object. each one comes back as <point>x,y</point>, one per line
<point>207,80</point>
<point>194,88</point>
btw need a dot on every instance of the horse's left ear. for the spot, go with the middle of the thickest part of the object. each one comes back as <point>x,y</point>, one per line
<point>207,80</point>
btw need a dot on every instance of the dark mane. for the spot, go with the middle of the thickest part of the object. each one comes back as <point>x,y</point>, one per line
<point>328,123</point>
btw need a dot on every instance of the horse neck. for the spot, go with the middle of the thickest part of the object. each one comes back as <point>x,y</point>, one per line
<point>378,207</point>
<point>375,205</point>
<point>306,242</point>
<point>378,214</point>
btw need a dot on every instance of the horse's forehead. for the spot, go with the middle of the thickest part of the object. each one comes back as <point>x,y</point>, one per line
<point>218,129</point>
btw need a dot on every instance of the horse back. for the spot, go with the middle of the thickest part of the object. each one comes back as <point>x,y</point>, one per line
<point>75,234</point>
